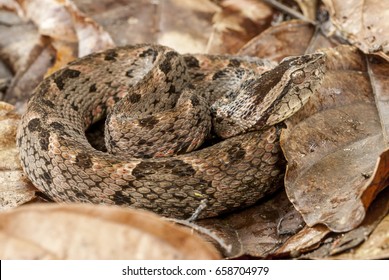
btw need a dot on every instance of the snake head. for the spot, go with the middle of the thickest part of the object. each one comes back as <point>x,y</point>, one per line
<point>271,97</point>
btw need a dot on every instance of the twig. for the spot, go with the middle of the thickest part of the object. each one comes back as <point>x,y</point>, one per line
<point>195,215</point>
<point>226,247</point>
<point>190,223</point>
<point>289,11</point>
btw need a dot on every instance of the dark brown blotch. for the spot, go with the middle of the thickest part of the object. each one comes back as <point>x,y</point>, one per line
<point>134,98</point>
<point>171,90</point>
<point>47,178</point>
<point>44,140</point>
<point>180,168</point>
<point>110,55</point>
<point>166,65</point>
<point>74,107</point>
<point>60,129</point>
<point>83,160</point>
<point>149,52</point>
<point>57,126</point>
<point>63,76</point>
<point>48,103</point>
<point>234,63</point>
<point>236,153</point>
<point>195,100</point>
<point>191,61</point>
<point>92,88</point>
<point>34,125</point>
<point>218,75</point>
<point>148,122</point>
<point>119,198</point>
<point>143,169</point>
<point>129,73</point>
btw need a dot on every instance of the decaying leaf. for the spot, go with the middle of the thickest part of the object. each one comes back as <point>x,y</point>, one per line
<point>58,231</point>
<point>363,22</point>
<point>15,189</point>
<point>305,240</point>
<point>345,245</point>
<point>256,231</point>
<point>375,247</point>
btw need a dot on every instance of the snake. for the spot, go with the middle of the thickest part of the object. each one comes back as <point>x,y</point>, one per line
<point>180,129</point>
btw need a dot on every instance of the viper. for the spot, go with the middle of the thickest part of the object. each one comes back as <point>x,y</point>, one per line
<point>179,129</point>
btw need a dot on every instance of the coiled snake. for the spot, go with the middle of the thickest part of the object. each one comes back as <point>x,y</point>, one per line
<point>161,107</point>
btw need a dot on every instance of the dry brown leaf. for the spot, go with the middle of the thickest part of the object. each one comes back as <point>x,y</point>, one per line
<point>15,189</point>
<point>305,240</point>
<point>237,23</point>
<point>58,29</point>
<point>377,211</point>
<point>26,79</point>
<point>96,232</point>
<point>332,147</point>
<point>127,21</point>
<point>375,247</point>
<point>72,34</point>
<point>25,54</point>
<point>343,246</point>
<point>256,231</point>
<point>280,41</point>
<point>5,79</point>
<point>363,22</point>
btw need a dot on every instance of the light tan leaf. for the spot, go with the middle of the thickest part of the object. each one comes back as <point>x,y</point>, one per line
<point>363,22</point>
<point>96,232</point>
<point>15,189</point>
<point>186,25</point>
<point>308,7</point>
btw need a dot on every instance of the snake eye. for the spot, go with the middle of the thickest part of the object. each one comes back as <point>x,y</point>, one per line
<point>298,76</point>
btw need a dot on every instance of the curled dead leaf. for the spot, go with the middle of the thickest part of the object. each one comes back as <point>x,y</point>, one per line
<point>57,231</point>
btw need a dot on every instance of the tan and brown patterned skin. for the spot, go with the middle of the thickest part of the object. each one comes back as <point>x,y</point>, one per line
<point>159,86</point>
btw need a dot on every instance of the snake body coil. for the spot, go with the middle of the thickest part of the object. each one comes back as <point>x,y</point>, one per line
<point>152,95</point>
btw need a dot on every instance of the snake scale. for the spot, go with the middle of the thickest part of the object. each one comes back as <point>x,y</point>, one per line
<point>160,107</point>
